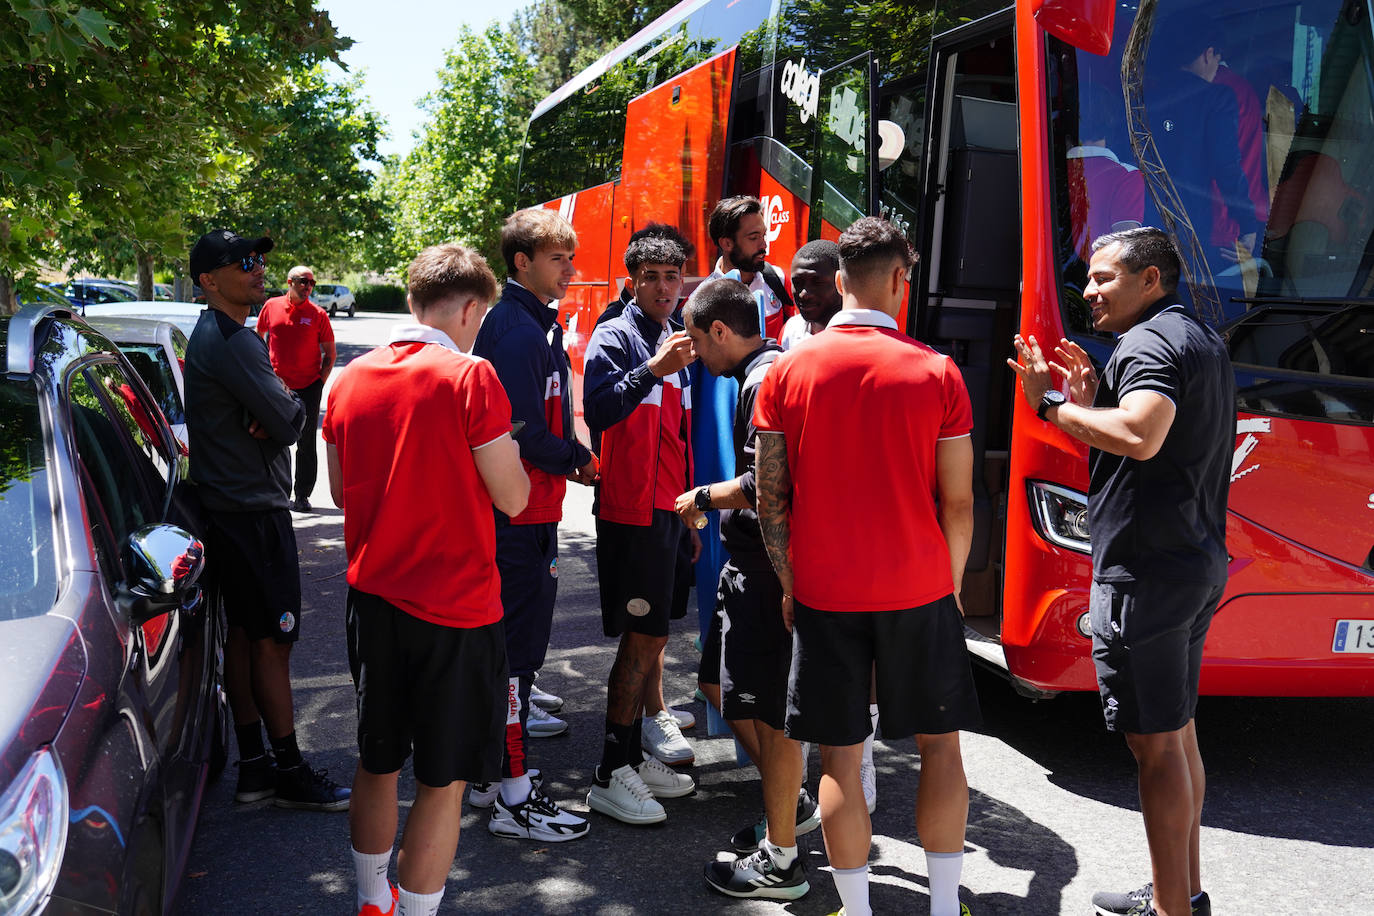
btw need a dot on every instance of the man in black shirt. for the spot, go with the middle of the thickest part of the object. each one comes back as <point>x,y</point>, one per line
<point>754,652</point>
<point>1160,425</point>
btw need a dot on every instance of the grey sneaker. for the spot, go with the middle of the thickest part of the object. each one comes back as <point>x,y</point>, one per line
<point>757,875</point>
<point>542,725</point>
<point>1138,902</point>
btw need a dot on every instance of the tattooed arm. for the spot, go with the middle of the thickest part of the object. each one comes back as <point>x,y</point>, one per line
<point>773,478</point>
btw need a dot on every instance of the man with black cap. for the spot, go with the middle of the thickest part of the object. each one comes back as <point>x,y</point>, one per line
<point>242,422</point>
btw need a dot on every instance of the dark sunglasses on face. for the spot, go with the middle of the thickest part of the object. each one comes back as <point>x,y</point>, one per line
<point>247,264</point>
<point>304,281</point>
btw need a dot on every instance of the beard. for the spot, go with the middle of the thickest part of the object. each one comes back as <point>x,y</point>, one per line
<point>751,265</point>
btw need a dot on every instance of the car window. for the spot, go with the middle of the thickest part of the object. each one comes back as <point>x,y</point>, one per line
<point>150,361</point>
<point>28,564</point>
<point>121,451</point>
<point>325,289</point>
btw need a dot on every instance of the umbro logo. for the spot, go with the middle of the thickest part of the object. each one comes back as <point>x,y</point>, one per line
<point>747,698</point>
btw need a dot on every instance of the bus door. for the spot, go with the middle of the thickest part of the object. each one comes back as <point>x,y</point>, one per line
<point>969,280</point>
<point>842,188</point>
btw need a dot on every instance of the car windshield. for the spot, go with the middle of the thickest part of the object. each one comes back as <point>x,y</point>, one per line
<point>1247,129</point>
<point>28,564</point>
<point>324,289</point>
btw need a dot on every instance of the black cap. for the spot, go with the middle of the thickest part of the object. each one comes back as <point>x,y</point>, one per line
<point>219,247</point>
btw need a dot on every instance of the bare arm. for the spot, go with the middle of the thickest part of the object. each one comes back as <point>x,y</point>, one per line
<point>331,452</point>
<point>498,462</point>
<point>728,494</point>
<point>774,481</point>
<point>331,353</point>
<point>1135,429</point>
<point>954,485</point>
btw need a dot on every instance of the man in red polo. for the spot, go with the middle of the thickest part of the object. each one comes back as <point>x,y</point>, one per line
<point>864,440</point>
<point>419,453</point>
<point>300,341</point>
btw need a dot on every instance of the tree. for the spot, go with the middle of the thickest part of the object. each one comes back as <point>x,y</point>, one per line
<point>458,183</point>
<point>114,115</point>
<point>559,44</point>
<point>617,20</point>
<point>309,186</point>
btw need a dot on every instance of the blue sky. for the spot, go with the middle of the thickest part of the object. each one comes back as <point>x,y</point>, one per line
<point>399,45</point>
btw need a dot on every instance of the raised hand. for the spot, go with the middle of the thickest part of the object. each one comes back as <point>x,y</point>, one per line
<point>675,355</point>
<point>1078,369</point>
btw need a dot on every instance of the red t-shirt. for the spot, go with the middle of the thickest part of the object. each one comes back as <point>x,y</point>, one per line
<point>294,334</point>
<point>418,523</point>
<point>862,407</point>
<point>670,477</point>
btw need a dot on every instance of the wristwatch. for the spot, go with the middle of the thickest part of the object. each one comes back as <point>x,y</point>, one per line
<point>1052,398</point>
<point>702,499</point>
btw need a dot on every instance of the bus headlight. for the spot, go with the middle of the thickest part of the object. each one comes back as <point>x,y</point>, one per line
<point>1060,514</point>
<point>33,834</point>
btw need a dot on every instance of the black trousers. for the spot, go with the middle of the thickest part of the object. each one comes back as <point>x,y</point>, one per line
<point>307,461</point>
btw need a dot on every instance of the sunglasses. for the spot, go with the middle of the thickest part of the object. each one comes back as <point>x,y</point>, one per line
<point>304,281</point>
<point>247,264</point>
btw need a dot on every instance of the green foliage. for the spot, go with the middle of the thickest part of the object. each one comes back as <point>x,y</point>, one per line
<point>458,183</point>
<point>617,20</point>
<point>116,114</point>
<point>559,44</point>
<point>379,297</point>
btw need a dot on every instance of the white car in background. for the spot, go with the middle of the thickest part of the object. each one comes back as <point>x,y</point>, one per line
<point>182,314</point>
<point>333,298</point>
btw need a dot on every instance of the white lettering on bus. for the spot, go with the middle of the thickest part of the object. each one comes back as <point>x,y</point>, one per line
<point>775,216</point>
<point>847,119</point>
<point>803,88</point>
<point>1247,427</point>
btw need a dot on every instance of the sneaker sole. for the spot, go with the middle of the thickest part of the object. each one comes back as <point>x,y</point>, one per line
<point>340,805</point>
<point>511,831</point>
<point>245,798</point>
<point>659,792</point>
<point>780,892</point>
<point>547,705</point>
<point>610,809</point>
<point>808,825</point>
<point>679,762</point>
<point>546,733</point>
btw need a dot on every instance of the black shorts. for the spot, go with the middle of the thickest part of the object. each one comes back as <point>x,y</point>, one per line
<point>925,683</point>
<point>527,557</point>
<point>1147,648</point>
<point>756,648</point>
<point>252,564</point>
<point>637,567</point>
<point>441,691</point>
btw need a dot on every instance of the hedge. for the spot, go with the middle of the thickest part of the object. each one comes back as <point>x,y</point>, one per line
<point>379,297</point>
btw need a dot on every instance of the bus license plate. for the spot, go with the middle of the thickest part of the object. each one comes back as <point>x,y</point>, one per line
<point>1353,636</point>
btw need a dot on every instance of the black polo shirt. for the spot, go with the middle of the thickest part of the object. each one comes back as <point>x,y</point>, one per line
<point>739,528</point>
<point>1166,517</point>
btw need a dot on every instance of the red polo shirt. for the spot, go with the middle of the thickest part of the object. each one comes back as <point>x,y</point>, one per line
<point>418,523</point>
<point>862,407</point>
<point>294,334</point>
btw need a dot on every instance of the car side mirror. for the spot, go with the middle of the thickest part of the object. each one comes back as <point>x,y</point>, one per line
<point>165,562</point>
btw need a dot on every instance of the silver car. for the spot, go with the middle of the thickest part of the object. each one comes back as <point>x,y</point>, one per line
<point>112,713</point>
<point>157,349</point>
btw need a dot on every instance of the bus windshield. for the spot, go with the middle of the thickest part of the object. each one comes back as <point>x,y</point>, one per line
<point>1247,128</point>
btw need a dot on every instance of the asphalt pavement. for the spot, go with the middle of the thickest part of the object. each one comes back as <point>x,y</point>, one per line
<point>1288,827</point>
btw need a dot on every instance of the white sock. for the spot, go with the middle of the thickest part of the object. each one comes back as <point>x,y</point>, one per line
<point>782,856</point>
<point>852,883</point>
<point>516,789</point>
<point>412,904</point>
<point>944,868</point>
<point>373,887</point>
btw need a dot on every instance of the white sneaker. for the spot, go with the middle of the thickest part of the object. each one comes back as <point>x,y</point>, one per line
<point>545,701</point>
<point>684,717</point>
<point>626,798</point>
<point>662,738</point>
<point>664,781</point>
<point>483,794</point>
<point>542,725</point>
<point>868,776</point>
<point>536,818</point>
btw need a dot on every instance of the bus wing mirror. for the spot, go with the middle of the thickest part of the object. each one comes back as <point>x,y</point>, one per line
<point>1085,24</point>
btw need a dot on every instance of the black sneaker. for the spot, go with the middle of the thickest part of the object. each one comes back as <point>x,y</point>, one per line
<point>757,875</point>
<point>310,790</point>
<point>301,505</point>
<point>808,819</point>
<point>257,779</point>
<point>536,818</point>
<point>1137,903</point>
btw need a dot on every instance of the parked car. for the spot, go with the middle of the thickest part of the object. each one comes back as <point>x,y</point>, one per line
<point>96,292</point>
<point>334,297</point>
<point>41,294</point>
<point>111,704</point>
<point>157,349</point>
<point>163,292</point>
<point>182,314</point>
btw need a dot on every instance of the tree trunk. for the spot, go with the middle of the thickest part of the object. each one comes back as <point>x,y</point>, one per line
<point>145,274</point>
<point>8,305</point>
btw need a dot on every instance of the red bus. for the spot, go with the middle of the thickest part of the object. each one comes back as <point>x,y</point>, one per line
<point>1003,139</point>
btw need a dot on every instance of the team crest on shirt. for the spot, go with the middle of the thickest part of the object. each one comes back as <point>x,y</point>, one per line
<point>287,623</point>
<point>637,607</point>
<point>553,567</point>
